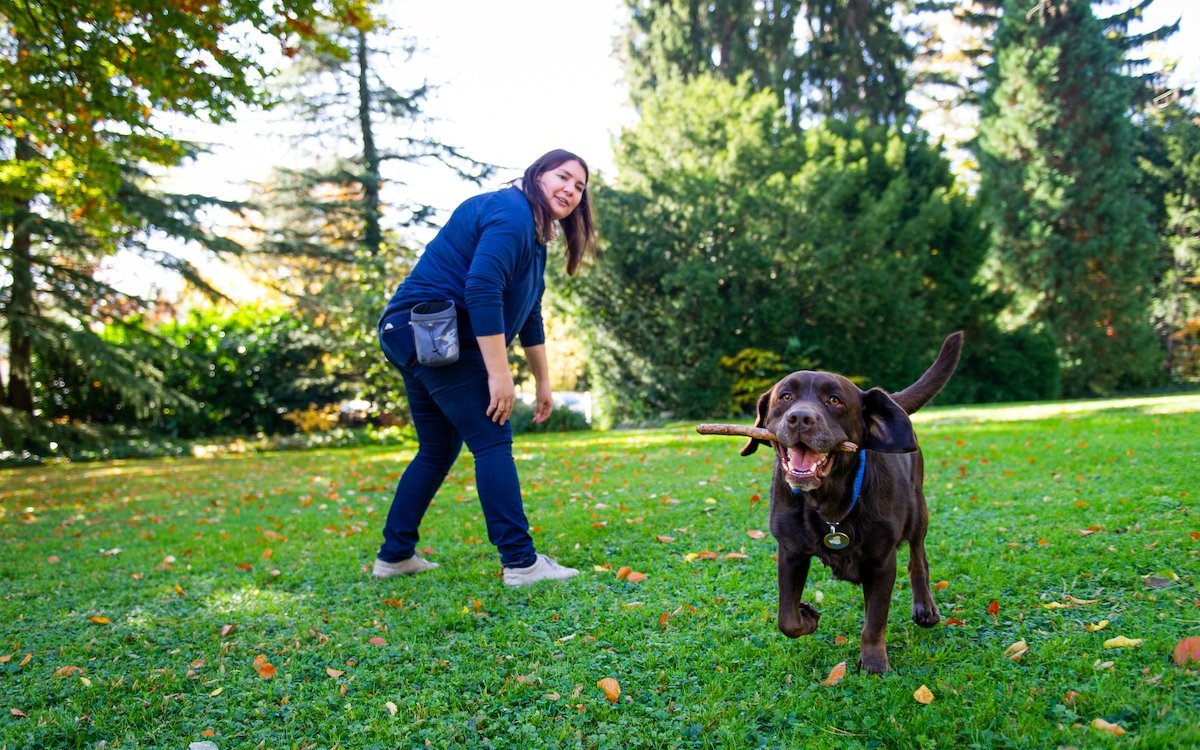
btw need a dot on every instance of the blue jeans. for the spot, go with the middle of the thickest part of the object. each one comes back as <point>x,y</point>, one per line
<point>449,407</point>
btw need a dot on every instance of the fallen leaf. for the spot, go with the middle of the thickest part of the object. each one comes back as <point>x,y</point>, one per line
<point>835,675</point>
<point>623,572</point>
<point>1122,642</point>
<point>1187,650</point>
<point>993,608</point>
<point>602,568</point>
<point>1017,650</point>
<point>178,589</point>
<point>377,641</point>
<point>940,585</point>
<point>99,620</point>
<point>923,696</point>
<point>1116,730</point>
<point>552,696</point>
<point>227,629</point>
<point>665,539</point>
<point>611,688</point>
<point>208,733</point>
<point>1071,698</point>
<point>265,669</point>
<point>706,555</point>
<point>954,621</point>
<point>67,671</point>
<point>26,660</point>
<point>52,559</point>
<point>756,534</point>
<point>391,708</point>
<point>17,713</point>
<point>839,640</point>
<point>737,556</point>
<point>216,692</point>
<point>635,577</point>
<point>334,673</point>
<point>663,619</point>
<point>394,602</point>
<point>1094,627</point>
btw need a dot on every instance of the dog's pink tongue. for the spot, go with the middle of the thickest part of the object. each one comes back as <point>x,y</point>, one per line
<point>803,460</point>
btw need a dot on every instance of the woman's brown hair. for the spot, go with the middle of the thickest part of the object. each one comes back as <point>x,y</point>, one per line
<point>579,228</point>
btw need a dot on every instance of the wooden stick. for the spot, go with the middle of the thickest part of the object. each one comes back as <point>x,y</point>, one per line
<point>756,433</point>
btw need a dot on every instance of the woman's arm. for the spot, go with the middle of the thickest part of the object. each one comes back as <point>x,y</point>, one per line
<point>536,356</point>
<point>500,382</point>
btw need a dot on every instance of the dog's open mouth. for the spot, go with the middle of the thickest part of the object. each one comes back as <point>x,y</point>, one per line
<point>803,467</point>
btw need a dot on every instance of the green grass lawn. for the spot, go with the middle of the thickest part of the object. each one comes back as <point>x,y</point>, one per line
<point>135,597</point>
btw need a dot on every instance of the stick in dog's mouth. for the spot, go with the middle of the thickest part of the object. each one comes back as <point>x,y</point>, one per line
<point>757,433</point>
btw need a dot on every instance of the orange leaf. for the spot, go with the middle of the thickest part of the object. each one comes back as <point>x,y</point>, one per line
<point>208,733</point>
<point>17,713</point>
<point>335,673</point>
<point>1187,650</point>
<point>427,551</point>
<point>26,660</point>
<point>1071,698</point>
<point>636,577</point>
<point>1116,730</point>
<point>227,629</point>
<point>755,498</point>
<point>665,539</point>
<point>923,696</point>
<point>993,608</point>
<point>623,572</point>
<point>756,534</point>
<point>394,602</point>
<point>835,675</point>
<point>663,619</point>
<point>245,566</point>
<point>67,671</point>
<point>100,620</point>
<point>840,640</point>
<point>706,555</point>
<point>737,556</point>
<point>941,585</point>
<point>611,688</point>
<point>265,669</point>
<point>377,641</point>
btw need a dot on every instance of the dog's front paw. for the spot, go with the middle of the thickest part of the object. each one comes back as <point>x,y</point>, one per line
<point>925,615</point>
<point>874,660</point>
<point>800,622</point>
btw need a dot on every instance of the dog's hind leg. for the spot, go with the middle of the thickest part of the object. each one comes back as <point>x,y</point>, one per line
<point>877,594</point>
<point>795,617</point>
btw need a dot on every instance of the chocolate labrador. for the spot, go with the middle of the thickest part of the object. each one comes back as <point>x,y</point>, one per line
<point>850,509</point>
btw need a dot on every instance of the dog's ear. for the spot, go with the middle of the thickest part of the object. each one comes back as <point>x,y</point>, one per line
<point>889,430</point>
<point>764,403</point>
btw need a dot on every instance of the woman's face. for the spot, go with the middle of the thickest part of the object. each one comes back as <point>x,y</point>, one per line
<point>563,187</point>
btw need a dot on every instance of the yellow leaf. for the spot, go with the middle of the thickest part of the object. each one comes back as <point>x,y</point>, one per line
<point>665,539</point>
<point>1093,627</point>
<point>216,692</point>
<point>1116,730</point>
<point>1056,605</point>
<point>178,589</point>
<point>923,696</point>
<point>86,682</point>
<point>1122,642</point>
<point>611,688</point>
<point>391,708</point>
<point>99,620</point>
<point>1017,650</point>
<point>835,675</point>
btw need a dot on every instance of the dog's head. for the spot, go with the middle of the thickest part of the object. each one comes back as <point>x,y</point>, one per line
<point>812,413</point>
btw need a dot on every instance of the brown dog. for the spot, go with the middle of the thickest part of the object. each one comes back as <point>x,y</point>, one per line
<point>850,510</point>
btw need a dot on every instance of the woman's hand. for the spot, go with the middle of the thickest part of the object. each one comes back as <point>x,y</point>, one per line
<point>545,402</point>
<point>501,390</point>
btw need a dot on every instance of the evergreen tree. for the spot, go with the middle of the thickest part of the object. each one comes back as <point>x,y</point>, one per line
<point>1060,184</point>
<point>329,224</point>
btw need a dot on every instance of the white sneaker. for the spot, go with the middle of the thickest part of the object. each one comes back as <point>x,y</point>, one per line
<point>543,569</point>
<point>414,564</point>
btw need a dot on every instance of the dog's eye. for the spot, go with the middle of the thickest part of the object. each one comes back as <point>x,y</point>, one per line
<point>785,397</point>
<point>835,401</point>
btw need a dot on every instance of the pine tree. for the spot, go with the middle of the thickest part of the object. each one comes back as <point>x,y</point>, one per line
<point>1072,230</point>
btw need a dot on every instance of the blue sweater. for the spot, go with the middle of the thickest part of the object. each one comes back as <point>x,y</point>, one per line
<point>487,259</point>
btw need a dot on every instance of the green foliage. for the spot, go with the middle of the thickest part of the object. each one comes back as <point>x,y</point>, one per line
<point>191,598</point>
<point>561,419</point>
<point>1170,161</point>
<point>727,231</point>
<point>1061,190</point>
<point>754,371</point>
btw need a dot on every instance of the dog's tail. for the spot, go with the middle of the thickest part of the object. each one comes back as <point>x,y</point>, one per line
<point>928,385</point>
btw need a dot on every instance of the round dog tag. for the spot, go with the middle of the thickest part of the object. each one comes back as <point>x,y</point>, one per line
<point>837,540</point>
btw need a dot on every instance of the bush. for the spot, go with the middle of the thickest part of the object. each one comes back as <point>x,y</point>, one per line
<point>561,419</point>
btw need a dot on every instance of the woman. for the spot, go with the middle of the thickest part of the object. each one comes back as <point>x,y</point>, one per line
<point>489,261</point>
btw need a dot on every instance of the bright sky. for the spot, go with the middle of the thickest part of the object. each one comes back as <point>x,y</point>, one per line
<point>515,79</point>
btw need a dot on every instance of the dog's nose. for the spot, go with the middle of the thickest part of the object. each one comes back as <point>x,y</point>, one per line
<point>801,418</point>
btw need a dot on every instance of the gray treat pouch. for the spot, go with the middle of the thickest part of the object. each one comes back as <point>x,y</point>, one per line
<point>435,332</point>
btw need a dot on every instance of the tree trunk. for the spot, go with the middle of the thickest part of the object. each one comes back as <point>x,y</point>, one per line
<point>372,234</point>
<point>20,309</point>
